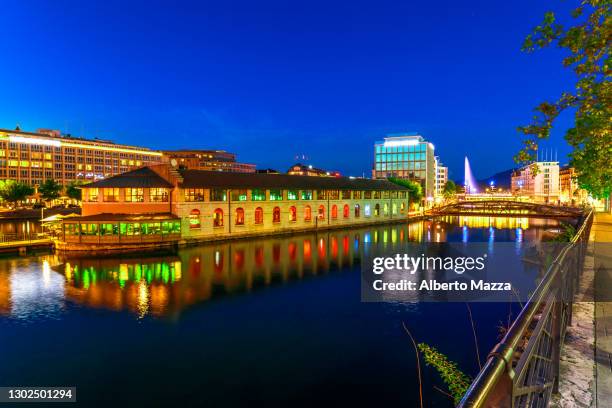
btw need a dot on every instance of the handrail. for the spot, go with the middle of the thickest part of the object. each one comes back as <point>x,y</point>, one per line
<point>491,388</point>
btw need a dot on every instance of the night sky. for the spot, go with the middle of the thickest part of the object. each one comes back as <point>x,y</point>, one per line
<point>270,80</point>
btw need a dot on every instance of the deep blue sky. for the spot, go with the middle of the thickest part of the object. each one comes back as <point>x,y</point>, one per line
<point>269,80</point>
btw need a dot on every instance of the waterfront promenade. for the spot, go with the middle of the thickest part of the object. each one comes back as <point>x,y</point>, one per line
<point>602,257</point>
<point>586,359</point>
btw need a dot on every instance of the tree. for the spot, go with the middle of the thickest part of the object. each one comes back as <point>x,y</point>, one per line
<point>73,190</point>
<point>15,191</point>
<point>587,43</point>
<point>415,190</point>
<point>50,190</point>
<point>450,189</point>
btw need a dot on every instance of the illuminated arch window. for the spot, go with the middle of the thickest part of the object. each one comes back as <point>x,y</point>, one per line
<point>259,218</point>
<point>307,213</point>
<point>334,212</point>
<point>357,211</point>
<point>276,214</point>
<point>377,210</point>
<point>194,219</point>
<point>321,212</point>
<point>386,209</point>
<point>366,210</point>
<point>394,209</point>
<point>292,213</point>
<point>345,211</point>
<point>239,216</point>
<point>402,207</point>
<point>218,218</point>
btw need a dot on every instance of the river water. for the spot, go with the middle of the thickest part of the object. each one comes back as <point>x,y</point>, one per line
<point>272,321</point>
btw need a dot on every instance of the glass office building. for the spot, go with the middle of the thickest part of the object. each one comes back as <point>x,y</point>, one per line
<point>407,156</point>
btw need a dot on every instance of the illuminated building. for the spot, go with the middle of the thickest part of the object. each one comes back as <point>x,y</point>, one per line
<point>32,157</point>
<point>541,186</point>
<point>570,192</point>
<point>164,206</point>
<point>407,156</point>
<point>441,177</point>
<point>299,169</point>
<point>211,160</point>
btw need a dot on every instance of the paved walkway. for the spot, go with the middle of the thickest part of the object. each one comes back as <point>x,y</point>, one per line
<point>602,257</point>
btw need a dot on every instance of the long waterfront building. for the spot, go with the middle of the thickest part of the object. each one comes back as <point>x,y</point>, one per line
<point>161,205</point>
<point>32,157</point>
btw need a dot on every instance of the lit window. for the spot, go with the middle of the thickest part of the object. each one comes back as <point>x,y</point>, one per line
<point>357,210</point>
<point>292,213</point>
<point>259,218</point>
<point>239,216</point>
<point>134,195</point>
<point>258,194</point>
<point>292,195</point>
<point>366,210</point>
<point>218,218</point>
<point>345,211</point>
<point>194,194</point>
<point>334,212</point>
<point>377,210</point>
<point>92,194</point>
<point>276,195</point>
<point>239,195</point>
<point>110,194</point>
<point>306,194</point>
<point>307,213</point>
<point>194,219</point>
<point>276,215</point>
<point>321,212</point>
<point>217,194</point>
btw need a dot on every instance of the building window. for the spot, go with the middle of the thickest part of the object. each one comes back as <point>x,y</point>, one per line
<point>192,194</point>
<point>307,213</point>
<point>357,210</point>
<point>134,195</point>
<point>345,211</point>
<point>366,210</point>
<point>334,212</point>
<point>377,210</point>
<point>321,195</point>
<point>292,194</point>
<point>276,195</point>
<point>239,216</point>
<point>158,195</point>
<point>194,219</point>
<point>333,194</point>
<point>346,194</point>
<point>258,194</point>
<point>292,213</point>
<point>92,194</point>
<point>218,194</point>
<point>259,218</point>
<point>239,195</point>
<point>321,212</point>
<point>276,215</point>
<point>110,195</point>
<point>218,218</point>
<point>306,194</point>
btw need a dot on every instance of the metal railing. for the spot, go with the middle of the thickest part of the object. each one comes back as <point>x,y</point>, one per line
<point>20,237</point>
<point>522,370</point>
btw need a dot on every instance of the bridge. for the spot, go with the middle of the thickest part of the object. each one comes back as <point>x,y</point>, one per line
<point>505,208</point>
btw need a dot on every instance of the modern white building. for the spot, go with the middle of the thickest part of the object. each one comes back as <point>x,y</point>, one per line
<point>408,156</point>
<point>541,185</point>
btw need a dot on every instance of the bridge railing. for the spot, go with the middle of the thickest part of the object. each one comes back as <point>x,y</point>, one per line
<point>522,370</point>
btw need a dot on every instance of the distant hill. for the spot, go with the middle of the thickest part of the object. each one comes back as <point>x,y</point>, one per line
<point>501,179</point>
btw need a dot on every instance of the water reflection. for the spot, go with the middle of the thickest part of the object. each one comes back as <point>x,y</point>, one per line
<point>166,285</point>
